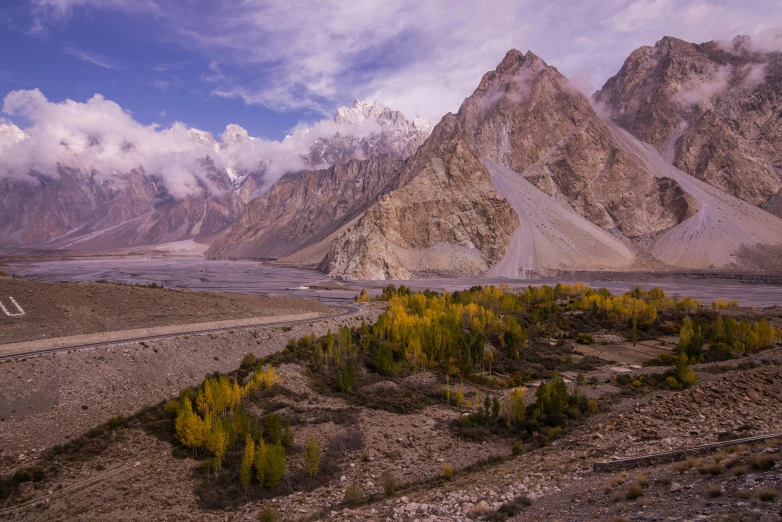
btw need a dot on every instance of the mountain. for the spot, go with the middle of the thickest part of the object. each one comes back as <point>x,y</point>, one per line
<point>303,208</point>
<point>390,133</point>
<point>85,209</point>
<point>527,176</point>
<point>712,110</point>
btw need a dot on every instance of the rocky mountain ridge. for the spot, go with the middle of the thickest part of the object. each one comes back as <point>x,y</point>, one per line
<point>713,110</point>
<point>74,208</point>
<point>525,121</point>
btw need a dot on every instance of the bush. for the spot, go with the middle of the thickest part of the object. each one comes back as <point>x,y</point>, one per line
<point>714,491</point>
<point>673,384</point>
<point>447,471</point>
<point>584,338</point>
<point>762,462</point>
<point>387,481</point>
<point>516,448</point>
<point>510,509</point>
<point>249,361</point>
<point>353,495</point>
<point>712,469</point>
<point>633,492</point>
<point>766,494</point>
<point>312,458</point>
<point>269,514</point>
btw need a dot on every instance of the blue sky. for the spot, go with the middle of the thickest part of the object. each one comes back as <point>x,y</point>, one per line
<point>268,65</point>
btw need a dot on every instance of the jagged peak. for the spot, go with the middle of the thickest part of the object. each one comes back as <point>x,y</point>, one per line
<point>200,136</point>
<point>234,134</point>
<point>516,59</point>
<point>9,129</point>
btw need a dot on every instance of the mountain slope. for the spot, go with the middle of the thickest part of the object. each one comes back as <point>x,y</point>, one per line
<point>447,219</point>
<point>304,207</point>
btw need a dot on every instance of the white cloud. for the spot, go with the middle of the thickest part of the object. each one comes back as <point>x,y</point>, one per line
<point>95,59</point>
<point>99,136</point>
<point>418,57</point>
<point>693,93</point>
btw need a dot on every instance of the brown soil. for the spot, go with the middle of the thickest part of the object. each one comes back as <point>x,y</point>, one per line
<point>62,309</point>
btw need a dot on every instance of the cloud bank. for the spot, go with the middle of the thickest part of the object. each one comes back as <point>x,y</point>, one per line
<point>100,137</point>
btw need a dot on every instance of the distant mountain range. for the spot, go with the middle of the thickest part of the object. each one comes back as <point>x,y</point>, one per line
<point>676,163</point>
<point>84,210</point>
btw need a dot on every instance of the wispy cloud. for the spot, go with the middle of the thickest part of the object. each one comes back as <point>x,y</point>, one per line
<point>419,57</point>
<point>95,59</point>
<point>166,67</point>
<point>46,14</point>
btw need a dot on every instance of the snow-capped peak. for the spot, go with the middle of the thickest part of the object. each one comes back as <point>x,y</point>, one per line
<point>359,111</point>
<point>199,136</point>
<point>10,131</point>
<point>234,134</point>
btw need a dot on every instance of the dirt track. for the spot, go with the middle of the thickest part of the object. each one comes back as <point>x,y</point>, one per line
<point>62,309</point>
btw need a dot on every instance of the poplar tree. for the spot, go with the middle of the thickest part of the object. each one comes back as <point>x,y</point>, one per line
<point>312,458</point>
<point>248,459</point>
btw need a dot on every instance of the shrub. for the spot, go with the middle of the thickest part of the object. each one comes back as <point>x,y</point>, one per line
<point>766,494</point>
<point>353,495</point>
<point>633,492</point>
<point>249,361</point>
<point>387,481</point>
<point>170,408</point>
<point>584,338</point>
<point>689,463</point>
<point>447,471</point>
<point>743,494</point>
<point>762,462</point>
<point>740,470</point>
<point>673,384</point>
<point>711,469</point>
<point>510,509</point>
<point>312,458</point>
<point>642,480</point>
<point>714,491</point>
<point>269,514</point>
<point>516,448</point>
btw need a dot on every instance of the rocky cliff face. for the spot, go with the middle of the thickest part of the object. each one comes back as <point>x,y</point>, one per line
<point>584,193</point>
<point>526,116</point>
<point>79,211</point>
<point>304,207</point>
<point>448,219</point>
<point>712,109</point>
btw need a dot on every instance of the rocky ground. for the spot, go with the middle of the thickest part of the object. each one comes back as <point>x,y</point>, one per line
<point>138,477</point>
